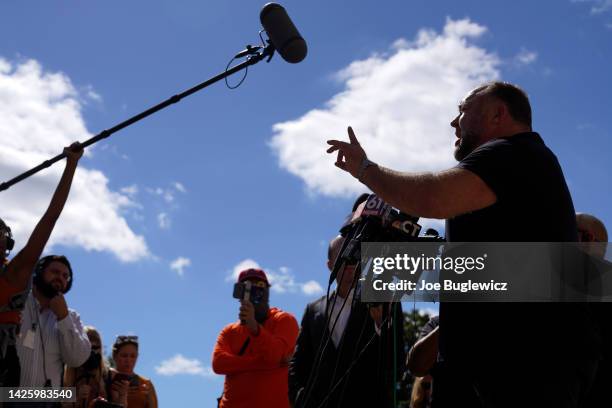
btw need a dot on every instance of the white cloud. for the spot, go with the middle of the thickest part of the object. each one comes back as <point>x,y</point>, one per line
<point>166,193</point>
<point>399,105</point>
<point>312,288</point>
<point>40,113</point>
<point>180,187</point>
<point>598,6</point>
<point>525,57</point>
<point>181,365</point>
<point>92,94</point>
<point>281,279</point>
<point>163,220</point>
<point>242,265</point>
<point>130,190</point>
<point>179,265</point>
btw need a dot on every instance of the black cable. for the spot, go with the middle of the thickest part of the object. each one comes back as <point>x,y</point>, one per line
<point>347,372</point>
<point>355,233</point>
<point>314,372</point>
<point>312,376</point>
<point>365,321</point>
<point>341,344</point>
<point>246,71</point>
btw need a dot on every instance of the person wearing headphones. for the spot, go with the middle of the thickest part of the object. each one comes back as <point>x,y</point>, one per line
<point>51,335</point>
<point>16,274</point>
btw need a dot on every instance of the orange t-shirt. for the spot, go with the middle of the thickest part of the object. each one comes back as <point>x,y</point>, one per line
<point>259,377</point>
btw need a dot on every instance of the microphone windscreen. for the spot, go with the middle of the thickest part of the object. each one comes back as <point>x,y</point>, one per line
<point>282,33</point>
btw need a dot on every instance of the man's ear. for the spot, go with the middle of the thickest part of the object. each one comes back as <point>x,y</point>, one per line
<point>499,113</point>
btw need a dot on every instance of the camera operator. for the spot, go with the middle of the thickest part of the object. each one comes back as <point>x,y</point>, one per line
<point>507,187</point>
<point>51,334</point>
<point>15,275</point>
<point>351,327</point>
<point>254,353</point>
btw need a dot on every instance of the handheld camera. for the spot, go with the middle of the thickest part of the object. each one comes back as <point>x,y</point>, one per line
<point>248,291</point>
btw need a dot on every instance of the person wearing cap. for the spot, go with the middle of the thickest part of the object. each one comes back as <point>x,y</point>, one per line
<point>51,334</point>
<point>253,353</point>
<point>16,274</point>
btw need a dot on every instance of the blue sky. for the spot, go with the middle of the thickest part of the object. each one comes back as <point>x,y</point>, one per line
<point>164,212</point>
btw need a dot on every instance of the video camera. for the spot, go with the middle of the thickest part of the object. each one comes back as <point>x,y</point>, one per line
<point>248,291</point>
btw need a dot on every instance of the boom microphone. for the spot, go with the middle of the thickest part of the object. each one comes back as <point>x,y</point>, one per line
<point>282,33</point>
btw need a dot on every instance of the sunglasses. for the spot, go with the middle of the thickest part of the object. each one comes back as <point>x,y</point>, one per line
<point>126,339</point>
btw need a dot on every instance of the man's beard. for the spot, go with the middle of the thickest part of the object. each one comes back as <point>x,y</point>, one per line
<point>261,312</point>
<point>467,144</point>
<point>47,289</point>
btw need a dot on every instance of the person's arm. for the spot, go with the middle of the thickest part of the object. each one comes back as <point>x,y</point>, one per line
<point>225,361</point>
<point>423,354</point>
<point>74,343</point>
<point>433,195</point>
<point>19,270</point>
<point>152,397</point>
<point>274,346</point>
<point>301,362</point>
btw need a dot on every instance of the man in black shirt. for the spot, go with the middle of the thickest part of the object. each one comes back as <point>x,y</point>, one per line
<point>507,187</point>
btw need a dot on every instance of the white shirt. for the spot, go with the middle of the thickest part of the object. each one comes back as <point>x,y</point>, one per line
<point>64,342</point>
<point>338,329</point>
<point>338,332</point>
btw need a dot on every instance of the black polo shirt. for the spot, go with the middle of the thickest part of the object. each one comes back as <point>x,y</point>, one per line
<point>533,205</point>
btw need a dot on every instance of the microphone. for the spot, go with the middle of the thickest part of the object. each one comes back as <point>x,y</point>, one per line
<point>282,33</point>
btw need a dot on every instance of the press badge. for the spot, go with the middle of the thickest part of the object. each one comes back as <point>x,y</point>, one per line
<point>29,340</point>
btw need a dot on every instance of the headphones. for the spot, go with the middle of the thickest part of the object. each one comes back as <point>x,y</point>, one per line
<point>42,264</point>
<point>6,231</point>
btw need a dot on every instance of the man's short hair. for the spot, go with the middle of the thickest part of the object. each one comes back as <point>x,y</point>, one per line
<point>514,97</point>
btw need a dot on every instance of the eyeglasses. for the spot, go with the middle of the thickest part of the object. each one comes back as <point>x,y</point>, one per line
<point>126,339</point>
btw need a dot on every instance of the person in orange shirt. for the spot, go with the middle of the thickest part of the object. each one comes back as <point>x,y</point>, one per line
<point>254,353</point>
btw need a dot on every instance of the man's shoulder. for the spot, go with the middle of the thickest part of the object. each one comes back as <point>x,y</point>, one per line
<point>515,143</point>
<point>279,314</point>
<point>231,327</point>
<point>317,303</point>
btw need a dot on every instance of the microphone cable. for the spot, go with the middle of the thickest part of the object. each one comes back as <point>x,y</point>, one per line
<point>353,363</point>
<point>318,358</point>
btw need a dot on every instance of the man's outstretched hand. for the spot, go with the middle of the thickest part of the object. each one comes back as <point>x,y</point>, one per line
<point>350,155</point>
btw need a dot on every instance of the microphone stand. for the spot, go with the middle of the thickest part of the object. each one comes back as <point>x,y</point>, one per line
<point>254,55</point>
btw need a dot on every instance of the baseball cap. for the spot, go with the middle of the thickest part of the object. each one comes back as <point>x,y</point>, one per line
<point>255,273</point>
